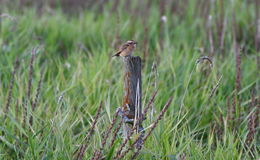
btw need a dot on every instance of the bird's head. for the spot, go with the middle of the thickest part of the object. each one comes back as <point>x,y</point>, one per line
<point>132,43</point>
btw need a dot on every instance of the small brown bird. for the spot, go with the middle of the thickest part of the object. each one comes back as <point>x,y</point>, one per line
<point>126,49</point>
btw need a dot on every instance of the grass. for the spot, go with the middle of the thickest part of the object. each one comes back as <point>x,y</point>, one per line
<point>74,60</point>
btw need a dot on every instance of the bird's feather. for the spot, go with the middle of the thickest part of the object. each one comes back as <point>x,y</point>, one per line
<point>117,54</point>
<point>121,49</point>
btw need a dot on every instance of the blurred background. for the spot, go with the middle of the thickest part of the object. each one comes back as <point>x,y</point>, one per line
<point>210,20</point>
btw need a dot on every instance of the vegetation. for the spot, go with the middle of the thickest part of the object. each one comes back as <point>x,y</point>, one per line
<point>56,69</point>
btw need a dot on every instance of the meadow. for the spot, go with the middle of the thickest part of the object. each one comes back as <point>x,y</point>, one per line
<point>56,68</point>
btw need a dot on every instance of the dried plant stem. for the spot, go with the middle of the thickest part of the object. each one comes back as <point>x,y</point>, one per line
<point>149,104</point>
<point>104,140</point>
<point>233,112</point>
<point>257,23</point>
<point>149,133</point>
<point>219,126</point>
<point>29,87</point>
<point>116,131</point>
<point>115,5</point>
<point>17,110</point>
<point>16,115</point>
<point>145,44</point>
<point>83,147</point>
<point>36,98</point>
<point>234,28</point>
<point>117,40</point>
<point>95,155</point>
<point>252,120</point>
<point>222,36</point>
<point>10,89</point>
<point>30,74</point>
<point>238,78</point>
<point>257,35</point>
<point>153,126</point>
<point>132,131</point>
<point>228,110</point>
<point>210,32</point>
<point>213,91</point>
<point>221,24</point>
<point>238,68</point>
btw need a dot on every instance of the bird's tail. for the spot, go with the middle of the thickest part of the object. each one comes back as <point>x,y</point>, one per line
<point>116,55</point>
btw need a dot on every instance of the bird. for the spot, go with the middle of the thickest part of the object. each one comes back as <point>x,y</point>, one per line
<point>126,49</point>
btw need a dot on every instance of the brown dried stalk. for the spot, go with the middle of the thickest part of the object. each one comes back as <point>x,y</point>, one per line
<point>238,76</point>
<point>149,133</point>
<point>238,64</point>
<point>228,110</point>
<point>115,5</point>
<point>257,113</point>
<point>128,4</point>
<point>149,104</point>
<point>213,91</point>
<point>210,35</point>
<point>83,147</point>
<point>257,25</point>
<point>234,28</point>
<point>219,126</point>
<point>220,25</point>
<point>117,130</point>
<point>132,131</point>
<point>17,110</point>
<point>104,140</point>
<point>95,155</point>
<point>206,7</point>
<point>238,68</point>
<point>153,126</point>
<point>257,35</point>
<point>36,97</point>
<point>222,36</point>
<point>27,101</point>
<point>182,156</point>
<point>145,44</point>
<point>31,74</point>
<point>81,152</point>
<point>10,89</point>
<point>251,122</point>
<point>16,115</point>
<point>233,112</point>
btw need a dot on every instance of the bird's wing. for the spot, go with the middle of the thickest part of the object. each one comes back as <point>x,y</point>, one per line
<point>123,47</point>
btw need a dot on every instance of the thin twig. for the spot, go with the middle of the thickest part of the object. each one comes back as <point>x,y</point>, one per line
<point>10,89</point>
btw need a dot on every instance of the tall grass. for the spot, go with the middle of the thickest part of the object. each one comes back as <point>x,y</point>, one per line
<point>74,72</point>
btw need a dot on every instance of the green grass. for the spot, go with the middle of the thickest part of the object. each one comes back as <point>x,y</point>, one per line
<point>75,57</point>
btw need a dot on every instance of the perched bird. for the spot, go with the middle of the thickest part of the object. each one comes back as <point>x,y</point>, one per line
<point>126,49</point>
